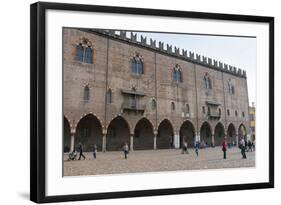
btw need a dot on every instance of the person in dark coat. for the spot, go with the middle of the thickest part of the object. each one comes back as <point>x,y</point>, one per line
<point>197,148</point>
<point>126,150</point>
<point>95,149</point>
<point>80,148</point>
<point>243,148</point>
<point>224,147</point>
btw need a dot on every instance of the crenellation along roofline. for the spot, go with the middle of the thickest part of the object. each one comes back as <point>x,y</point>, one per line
<point>183,55</point>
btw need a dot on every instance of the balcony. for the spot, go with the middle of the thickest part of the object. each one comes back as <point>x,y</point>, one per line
<point>214,115</point>
<point>133,106</point>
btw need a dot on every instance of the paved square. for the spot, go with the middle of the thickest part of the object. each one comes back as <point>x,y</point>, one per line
<point>159,160</point>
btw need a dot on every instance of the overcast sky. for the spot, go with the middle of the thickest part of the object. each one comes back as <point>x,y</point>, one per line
<point>236,51</point>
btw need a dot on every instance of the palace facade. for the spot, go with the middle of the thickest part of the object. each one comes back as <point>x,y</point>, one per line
<point>120,89</point>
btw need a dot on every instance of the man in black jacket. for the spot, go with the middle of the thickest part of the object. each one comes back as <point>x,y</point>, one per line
<point>80,148</point>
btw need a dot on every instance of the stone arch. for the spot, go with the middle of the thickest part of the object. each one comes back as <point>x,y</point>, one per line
<point>187,133</point>
<point>165,135</point>
<point>143,135</point>
<point>231,133</point>
<point>66,135</point>
<point>118,133</point>
<point>242,131</point>
<point>219,134</point>
<point>89,132</point>
<point>206,133</point>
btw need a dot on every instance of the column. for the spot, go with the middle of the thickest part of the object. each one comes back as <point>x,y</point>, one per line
<point>196,138</point>
<point>104,140</point>
<point>72,134</point>
<point>213,140</point>
<point>132,142</point>
<point>155,140</point>
<point>237,140</point>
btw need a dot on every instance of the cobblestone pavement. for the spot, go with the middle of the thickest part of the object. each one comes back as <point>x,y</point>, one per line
<point>159,160</point>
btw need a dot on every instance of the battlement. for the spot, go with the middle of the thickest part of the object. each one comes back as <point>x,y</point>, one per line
<point>176,52</point>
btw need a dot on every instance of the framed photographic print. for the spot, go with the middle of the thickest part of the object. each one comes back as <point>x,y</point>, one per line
<point>129,102</point>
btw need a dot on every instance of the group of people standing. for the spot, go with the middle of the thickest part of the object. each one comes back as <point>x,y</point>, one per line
<point>79,149</point>
<point>244,145</point>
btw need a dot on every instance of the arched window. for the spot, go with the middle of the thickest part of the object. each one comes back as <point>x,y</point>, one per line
<point>109,96</point>
<point>187,108</point>
<point>236,113</point>
<point>177,75</point>
<point>230,87</point>
<point>153,104</point>
<point>173,106</point>
<point>137,65</point>
<point>86,93</point>
<point>88,55</point>
<point>209,110</point>
<point>203,110</point>
<point>243,114</point>
<point>207,82</point>
<point>228,113</point>
<point>84,51</point>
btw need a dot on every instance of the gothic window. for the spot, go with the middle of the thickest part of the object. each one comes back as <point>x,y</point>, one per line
<point>86,93</point>
<point>207,82</point>
<point>137,66</point>
<point>109,96</point>
<point>84,51</point>
<point>209,111</point>
<point>173,106</point>
<point>228,113</point>
<point>230,87</point>
<point>153,104</point>
<point>203,110</point>
<point>236,113</point>
<point>177,75</point>
<point>243,114</point>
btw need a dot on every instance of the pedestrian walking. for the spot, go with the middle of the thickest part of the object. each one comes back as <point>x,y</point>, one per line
<point>224,147</point>
<point>184,147</point>
<point>95,149</point>
<point>250,145</point>
<point>197,148</point>
<point>80,148</point>
<point>243,148</point>
<point>126,150</point>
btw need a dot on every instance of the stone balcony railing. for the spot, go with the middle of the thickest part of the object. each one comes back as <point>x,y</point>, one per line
<point>133,106</point>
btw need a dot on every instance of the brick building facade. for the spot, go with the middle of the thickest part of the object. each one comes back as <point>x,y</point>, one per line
<point>118,89</point>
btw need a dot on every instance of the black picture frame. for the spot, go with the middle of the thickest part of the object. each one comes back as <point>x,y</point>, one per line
<point>38,100</point>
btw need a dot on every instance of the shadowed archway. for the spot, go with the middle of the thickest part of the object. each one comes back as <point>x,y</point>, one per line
<point>231,133</point>
<point>143,135</point>
<point>66,135</point>
<point>242,132</point>
<point>206,133</point>
<point>118,133</point>
<point>165,135</point>
<point>187,133</point>
<point>219,134</point>
<point>89,133</point>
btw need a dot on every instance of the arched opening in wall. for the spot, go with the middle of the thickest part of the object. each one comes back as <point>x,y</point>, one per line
<point>187,133</point>
<point>219,134</point>
<point>206,134</point>
<point>66,135</point>
<point>231,133</point>
<point>165,136</point>
<point>242,132</point>
<point>89,133</point>
<point>143,135</point>
<point>118,133</point>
